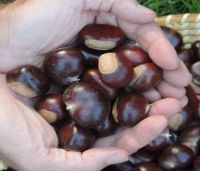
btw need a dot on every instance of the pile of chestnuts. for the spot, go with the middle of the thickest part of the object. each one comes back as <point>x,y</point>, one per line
<point>92,89</point>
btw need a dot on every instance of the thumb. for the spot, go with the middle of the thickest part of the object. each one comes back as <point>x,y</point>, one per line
<point>128,10</point>
<point>99,158</point>
<point>94,159</point>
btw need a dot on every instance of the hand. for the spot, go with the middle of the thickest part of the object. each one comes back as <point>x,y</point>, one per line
<point>31,28</point>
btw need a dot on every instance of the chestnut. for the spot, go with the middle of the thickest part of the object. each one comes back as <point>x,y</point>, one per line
<point>64,66</point>
<point>195,70</point>
<point>92,76</point>
<point>114,70</point>
<point>196,164</point>
<point>193,94</point>
<point>142,156</point>
<point>190,137</point>
<point>90,56</point>
<point>86,106</point>
<point>73,137</point>
<point>147,167</point>
<point>133,54</point>
<point>173,36</point>
<point>165,139</point>
<point>186,56</point>
<point>180,121</point>
<point>106,128</point>
<point>126,166</point>
<point>101,37</point>
<point>129,109</point>
<point>176,157</point>
<point>146,77</point>
<point>28,80</point>
<point>196,49</point>
<point>52,108</point>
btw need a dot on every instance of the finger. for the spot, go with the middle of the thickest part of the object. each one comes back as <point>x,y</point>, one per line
<point>105,156</point>
<point>184,101</point>
<point>152,40</point>
<point>128,10</point>
<point>167,90</point>
<point>59,159</point>
<point>179,77</point>
<point>131,139</point>
<point>166,107</point>
<point>152,95</point>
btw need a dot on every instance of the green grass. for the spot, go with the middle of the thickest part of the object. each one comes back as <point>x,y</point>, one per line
<point>164,7</point>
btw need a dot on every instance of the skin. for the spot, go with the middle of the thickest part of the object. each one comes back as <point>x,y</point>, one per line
<point>30,29</point>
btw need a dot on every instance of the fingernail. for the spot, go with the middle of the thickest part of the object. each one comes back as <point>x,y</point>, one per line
<point>117,158</point>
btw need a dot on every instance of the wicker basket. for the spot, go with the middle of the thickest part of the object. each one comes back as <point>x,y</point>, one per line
<point>187,24</point>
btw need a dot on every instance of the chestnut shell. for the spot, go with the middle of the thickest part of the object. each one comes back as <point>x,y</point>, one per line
<point>86,106</point>
<point>28,80</point>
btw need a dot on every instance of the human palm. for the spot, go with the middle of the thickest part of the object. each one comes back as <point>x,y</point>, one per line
<point>30,29</point>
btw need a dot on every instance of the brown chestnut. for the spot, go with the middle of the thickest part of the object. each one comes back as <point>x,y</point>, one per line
<point>146,76</point>
<point>186,56</point>
<point>64,65</point>
<point>101,37</point>
<point>180,120</point>
<point>143,156</point>
<point>165,139</point>
<point>28,80</point>
<point>147,167</point>
<point>127,166</point>
<point>173,36</point>
<point>129,109</point>
<point>107,127</point>
<point>86,106</point>
<point>195,70</point>
<point>133,54</point>
<point>176,157</point>
<point>196,49</point>
<point>196,164</point>
<point>73,137</point>
<point>52,108</point>
<point>92,76</point>
<point>114,70</point>
<point>190,137</point>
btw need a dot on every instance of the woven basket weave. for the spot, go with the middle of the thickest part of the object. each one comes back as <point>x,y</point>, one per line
<point>187,24</point>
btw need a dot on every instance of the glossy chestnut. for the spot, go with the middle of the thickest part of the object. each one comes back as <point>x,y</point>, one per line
<point>86,106</point>
<point>143,156</point>
<point>196,49</point>
<point>147,167</point>
<point>186,56</point>
<point>196,164</point>
<point>52,108</point>
<point>114,70</point>
<point>190,137</point>
<point>146,77</point>
<point>101,37</point>
<point>133,54</point>
<point>181,120</point>
<point>28,80</point>
<point>195,70</point>
<point>173,36</point>
<point>127,166</point>
<point>165,139</point>
<point>64,66</point>
<point>92,76</point>
<point>106,128</point>
<point>72,137</point>
<point>176,157</point>
<point>129,109</point>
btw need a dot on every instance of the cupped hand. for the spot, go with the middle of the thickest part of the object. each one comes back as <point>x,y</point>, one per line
<point>31,28</point>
